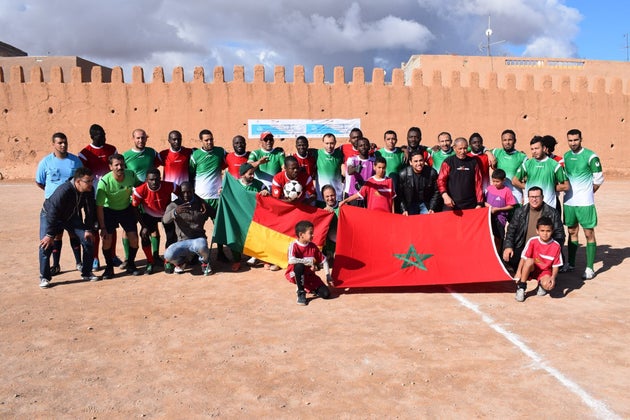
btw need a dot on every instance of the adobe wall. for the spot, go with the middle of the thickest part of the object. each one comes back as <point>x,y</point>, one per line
<point>441,100</point>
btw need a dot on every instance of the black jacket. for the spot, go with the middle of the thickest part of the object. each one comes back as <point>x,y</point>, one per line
<point>517,228</point>
<point>66,204</point>
<point>406,188</point>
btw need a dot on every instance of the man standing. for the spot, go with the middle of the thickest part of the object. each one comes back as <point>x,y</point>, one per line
<point>152,198</point>
<point>417,187</point>
<point>329,161</point>
<point>478,151</point>
<point>459,180</point>
<point>267,160</point>
<point>141,158</point>
<point>96,157</point>
<point>394,157</point>
<point>63,210</point>
<point>52,171</point>
<point>585,175</point>
<point>176,159</point>
<point>113,208</point>
<point>509,159</point>
<point>522,227</point>
<point>189,213</point>
<point>541,171</point>
<point>445,150</point>
<point>414,137</point>
<point>238,157</point>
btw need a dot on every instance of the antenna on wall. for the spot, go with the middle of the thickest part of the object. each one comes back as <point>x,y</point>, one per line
<point>488,43</point>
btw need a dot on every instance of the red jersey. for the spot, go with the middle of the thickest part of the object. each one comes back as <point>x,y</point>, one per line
<point>545,254</point>
<point>176,165</point>
<point>309,163</point>
<point>309,250</point>
<point>348,151</point>
<point>234,163</point>
<point>154,202</point>
<point>281,179</point>
<point>96,158</point>
<point>558,159</point>
<point>484,165</point>
<point>378,193</point>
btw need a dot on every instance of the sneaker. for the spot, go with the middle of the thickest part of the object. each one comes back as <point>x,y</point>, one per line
<point>108,273</point>
<point>178,270</point>
<point>117,263</point>
<point>589,273</point>
<point>207,269</point>
<point>79,267</point>
<point>132,269</point>
<point>148,269</point>
<point>168,268</point>
<point>54,270</point>
<point>251,262</point>
<point>96,266</point>
<point>520,295</point>
<point>44,283</point>
<point>301,298</point>
<point>90,277</point>
<point>566,268</point>
<point>541,291</point>
<point>272,267</point>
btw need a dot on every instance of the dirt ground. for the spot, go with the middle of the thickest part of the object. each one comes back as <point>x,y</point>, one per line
<point>236,345</point>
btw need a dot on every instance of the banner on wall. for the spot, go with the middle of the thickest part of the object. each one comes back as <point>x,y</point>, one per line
<point>292,128</point>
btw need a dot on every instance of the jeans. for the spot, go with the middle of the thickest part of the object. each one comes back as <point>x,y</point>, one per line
<point>75,225</point>
<point>419,208</point>
<point>181,251</point>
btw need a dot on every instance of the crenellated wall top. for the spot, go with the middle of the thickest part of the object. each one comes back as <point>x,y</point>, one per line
<point>561,79</point>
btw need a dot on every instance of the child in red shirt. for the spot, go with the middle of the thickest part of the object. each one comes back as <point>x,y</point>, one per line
<point>378,190</point>
<point>304,257</point>
<point>541,260</point>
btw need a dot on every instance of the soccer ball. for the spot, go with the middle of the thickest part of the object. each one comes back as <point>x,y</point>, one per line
<point>292,190</point>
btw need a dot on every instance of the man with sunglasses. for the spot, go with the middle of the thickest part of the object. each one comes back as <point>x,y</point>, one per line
<point>267,160</point>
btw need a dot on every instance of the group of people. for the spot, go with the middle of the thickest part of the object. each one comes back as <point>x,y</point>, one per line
<point>106,190</point>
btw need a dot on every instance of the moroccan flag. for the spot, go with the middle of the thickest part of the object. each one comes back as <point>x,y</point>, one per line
<point>376,249</point>
<point>263,227</point>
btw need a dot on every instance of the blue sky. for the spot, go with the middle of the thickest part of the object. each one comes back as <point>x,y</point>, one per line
<point>602,29</point>
<point>348,33</point>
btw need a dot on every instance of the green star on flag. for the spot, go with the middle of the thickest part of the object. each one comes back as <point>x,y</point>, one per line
<point>413,259</point>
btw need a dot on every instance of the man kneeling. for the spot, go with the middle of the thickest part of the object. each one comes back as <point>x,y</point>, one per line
<point>189,213</point>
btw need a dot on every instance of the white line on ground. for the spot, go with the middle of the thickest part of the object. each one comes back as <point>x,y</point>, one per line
<point>599,408</point>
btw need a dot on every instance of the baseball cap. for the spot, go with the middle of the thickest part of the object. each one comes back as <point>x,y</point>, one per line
<point>265,134</point>
<point>244,168</point>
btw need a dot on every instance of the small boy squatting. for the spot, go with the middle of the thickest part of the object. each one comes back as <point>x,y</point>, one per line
<point>541,259</point>
<point>304,257</point>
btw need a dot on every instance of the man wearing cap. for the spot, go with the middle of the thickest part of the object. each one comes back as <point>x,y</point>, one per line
<point>267,160</point>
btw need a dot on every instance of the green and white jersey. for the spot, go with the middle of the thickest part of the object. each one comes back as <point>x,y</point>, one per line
<point>510,162</point>
<point>266,171</point>
<point>545,173</point>
<point>205,171</point>
<point>329,172</point>
<point>439,157</point>
<point>141,161</point>
<point>395,160</point>
<point>583,169</point>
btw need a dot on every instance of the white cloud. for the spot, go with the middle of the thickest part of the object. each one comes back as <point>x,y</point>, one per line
<point>347,33</point>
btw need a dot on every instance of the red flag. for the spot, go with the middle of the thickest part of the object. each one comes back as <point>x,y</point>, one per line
<point>376,249</point>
